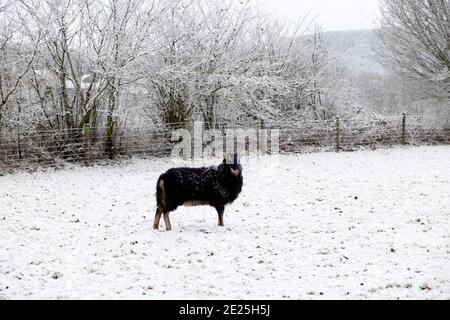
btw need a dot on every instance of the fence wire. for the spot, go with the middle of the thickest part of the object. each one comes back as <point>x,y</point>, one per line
<point>56,147</point>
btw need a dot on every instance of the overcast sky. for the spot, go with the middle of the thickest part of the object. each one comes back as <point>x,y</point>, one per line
<point>331,14</point>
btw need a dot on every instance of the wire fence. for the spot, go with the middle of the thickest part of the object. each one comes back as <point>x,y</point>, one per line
<point>44,148</point>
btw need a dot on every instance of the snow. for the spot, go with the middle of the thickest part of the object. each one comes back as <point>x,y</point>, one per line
<point>362,225</point>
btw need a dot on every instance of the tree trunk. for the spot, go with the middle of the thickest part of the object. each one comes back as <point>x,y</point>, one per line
<point>209,113</point>
<point>2,153</point>
<point>19,139</point>
<point>111,123</point>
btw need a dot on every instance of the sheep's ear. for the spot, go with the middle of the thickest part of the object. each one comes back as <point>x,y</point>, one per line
<point>235,172</point>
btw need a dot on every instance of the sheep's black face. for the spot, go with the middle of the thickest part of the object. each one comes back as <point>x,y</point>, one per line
<point>232,165</point>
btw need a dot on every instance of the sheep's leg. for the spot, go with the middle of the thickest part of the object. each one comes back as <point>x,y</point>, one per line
<point>157,218</point>
<point>167,221</point>
<point>220,210</point>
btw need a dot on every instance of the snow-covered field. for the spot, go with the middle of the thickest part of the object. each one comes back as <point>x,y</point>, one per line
<point>364,225</point>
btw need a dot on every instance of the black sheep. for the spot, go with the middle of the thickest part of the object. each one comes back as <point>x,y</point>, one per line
<point>214,186</point>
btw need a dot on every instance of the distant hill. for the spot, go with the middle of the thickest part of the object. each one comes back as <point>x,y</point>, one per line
<point>355,50</point>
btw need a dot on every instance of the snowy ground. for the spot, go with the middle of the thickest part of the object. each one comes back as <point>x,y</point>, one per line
<point>361,225</point>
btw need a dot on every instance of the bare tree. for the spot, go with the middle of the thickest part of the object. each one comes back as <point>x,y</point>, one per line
<point>196,41</point>
<point>415,39</point>
<point>120,36</point>
<point>223,61</point>
<point>17,54</point>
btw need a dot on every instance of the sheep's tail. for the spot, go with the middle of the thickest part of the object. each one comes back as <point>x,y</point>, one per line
<point>160,193</point>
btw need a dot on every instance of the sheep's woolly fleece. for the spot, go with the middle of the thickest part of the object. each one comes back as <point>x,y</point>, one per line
<point>363,225</point>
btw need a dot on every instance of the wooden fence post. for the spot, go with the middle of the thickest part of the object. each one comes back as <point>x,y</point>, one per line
<point>403,129</point>
<point>262,138</point>
<point>338,134</point>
